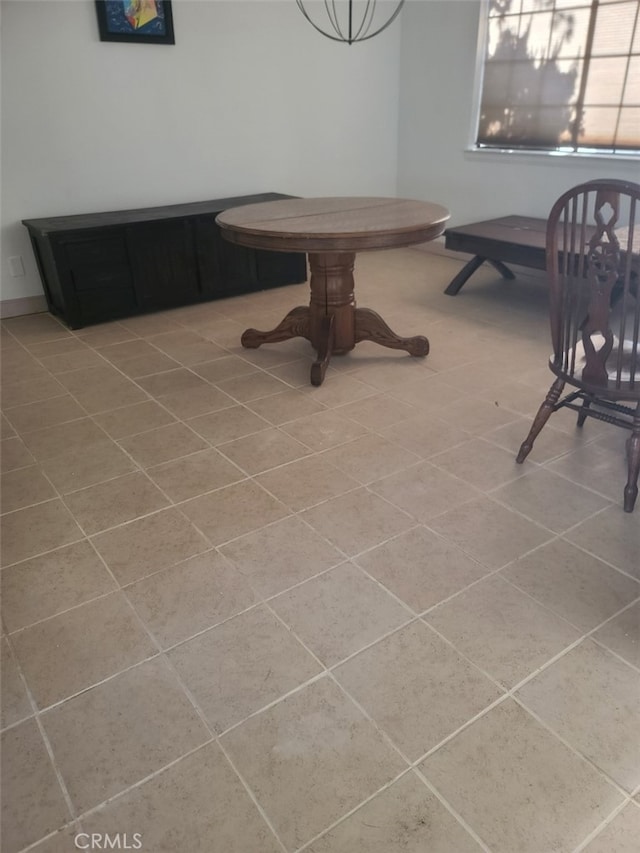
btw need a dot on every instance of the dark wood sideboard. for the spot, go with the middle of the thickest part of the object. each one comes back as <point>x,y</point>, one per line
<point>101,266</point>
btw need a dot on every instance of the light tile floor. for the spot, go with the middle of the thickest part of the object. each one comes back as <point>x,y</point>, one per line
<point>245,615</point>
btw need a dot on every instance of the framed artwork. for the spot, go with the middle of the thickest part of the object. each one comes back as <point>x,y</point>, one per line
<point>138,21</point>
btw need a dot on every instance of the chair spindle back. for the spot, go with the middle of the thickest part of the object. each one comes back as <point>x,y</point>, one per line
<point>594,266</point>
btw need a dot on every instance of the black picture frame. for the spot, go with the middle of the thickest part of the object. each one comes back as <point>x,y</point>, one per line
<point>117,21</point>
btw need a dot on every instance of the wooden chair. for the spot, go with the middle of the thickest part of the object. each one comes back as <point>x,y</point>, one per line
<point>593,266</point>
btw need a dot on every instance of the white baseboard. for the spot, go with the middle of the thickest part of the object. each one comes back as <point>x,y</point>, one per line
<point>24,305</point>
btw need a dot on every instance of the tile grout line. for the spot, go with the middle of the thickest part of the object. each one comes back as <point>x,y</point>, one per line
<point>35,716</point>
<point>585,634</point>
<point>584,758</point>
<point>412,764</point>
<point>253,797</point>
<point>442,799</point>
<point>140,782</point>
<point>509,693</point>
<point>601,827</point>
<point>72,824</point>
<point>352,811</point>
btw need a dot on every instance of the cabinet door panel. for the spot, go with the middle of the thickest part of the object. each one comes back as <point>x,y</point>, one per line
<point>96,262</point>
<point>99,305</point>
<point>164,264</point>
<point>97,250</point>
<point>101,277</point>
<point>225,269</point>
<point>277,268</point>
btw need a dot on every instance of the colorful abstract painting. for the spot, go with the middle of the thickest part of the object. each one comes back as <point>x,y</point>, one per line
<point>140,13</point>
<point>139,21</point>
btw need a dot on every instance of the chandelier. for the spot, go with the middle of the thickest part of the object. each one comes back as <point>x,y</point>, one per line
<point>348,20</point>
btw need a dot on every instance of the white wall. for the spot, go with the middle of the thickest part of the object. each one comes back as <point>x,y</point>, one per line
<point>249,99</point>
<point>438,59</point>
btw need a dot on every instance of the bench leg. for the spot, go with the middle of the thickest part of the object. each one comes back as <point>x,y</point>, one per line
<point>503,269</point>
<point>469,269</point>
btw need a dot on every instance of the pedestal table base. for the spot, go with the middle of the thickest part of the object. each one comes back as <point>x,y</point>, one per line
<point>332,322</point>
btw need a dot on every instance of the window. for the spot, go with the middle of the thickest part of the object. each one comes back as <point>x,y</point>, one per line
<point>561,75</point>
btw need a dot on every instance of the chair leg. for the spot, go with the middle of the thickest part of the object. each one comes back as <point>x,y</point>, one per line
<point>544,413</point>
<point>582,415</point>
<point>633,459</point>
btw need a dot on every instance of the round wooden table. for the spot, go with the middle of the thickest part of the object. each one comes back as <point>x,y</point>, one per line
<point>331,231</point>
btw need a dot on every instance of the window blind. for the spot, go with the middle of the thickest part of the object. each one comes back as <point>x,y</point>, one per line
<point>562,75</point>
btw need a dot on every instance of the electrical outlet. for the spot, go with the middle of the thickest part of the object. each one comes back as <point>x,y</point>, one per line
<point>16,267</point>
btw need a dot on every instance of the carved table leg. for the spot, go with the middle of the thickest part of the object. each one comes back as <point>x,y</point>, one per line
<point>325,349</point>
<point>294,325</point>
<point>331,309</point>
<point>371,327</point>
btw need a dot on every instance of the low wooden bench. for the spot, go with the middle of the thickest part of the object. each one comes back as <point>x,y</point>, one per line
<point>509,239</point>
